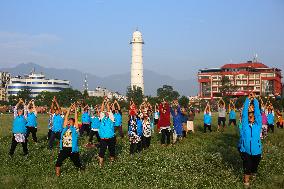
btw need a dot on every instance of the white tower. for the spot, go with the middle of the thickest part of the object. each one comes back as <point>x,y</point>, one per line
<point>137,60</point>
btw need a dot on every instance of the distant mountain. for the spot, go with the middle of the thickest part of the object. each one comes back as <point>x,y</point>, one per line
<point>117,82</point>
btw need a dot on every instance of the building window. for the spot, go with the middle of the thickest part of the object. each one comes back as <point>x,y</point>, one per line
<point>245,82</point>
<point>257,76</point>
<point>245,76</point>
<point>251,76</point>
<point>251,81</point>
<point>257,82</point>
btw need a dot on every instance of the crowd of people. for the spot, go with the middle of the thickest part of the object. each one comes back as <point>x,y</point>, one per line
<point>105,120</point>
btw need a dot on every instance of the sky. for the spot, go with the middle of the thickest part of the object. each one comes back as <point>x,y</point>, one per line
<point>180,36</point>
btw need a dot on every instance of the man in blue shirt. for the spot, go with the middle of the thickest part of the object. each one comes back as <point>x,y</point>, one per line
<point>86,121</point>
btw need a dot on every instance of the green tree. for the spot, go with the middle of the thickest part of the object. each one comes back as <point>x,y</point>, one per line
<point>44,98</point>
<point>67,96</point>
<point>168,93</point>
<point>183,101</point>
<point>25,94</point>
<point>136,94</point>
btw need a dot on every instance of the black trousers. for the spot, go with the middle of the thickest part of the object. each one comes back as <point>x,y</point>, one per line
<point>222,120</point>
<point>53,136</point>
<point>107,144</point>
<point>92,133</point>
<point>14,145</point>
<point>135,147</point>
<point>232,121</point>
<point>146,141</point>
<point>270,126</point>
<point>32,130</point>
<point>250,163</point>
<point>207,126</point>
<point>65,153</point>
<point>165,136</point>
<point>85,127</point>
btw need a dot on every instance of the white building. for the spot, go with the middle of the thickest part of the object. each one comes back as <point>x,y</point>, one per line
<point>137,60</point>
<point>101,92</point>
<point>36,83</point>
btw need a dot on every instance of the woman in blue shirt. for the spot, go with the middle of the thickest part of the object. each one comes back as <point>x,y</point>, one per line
<point>250,143</point>
<point>19,129</point>
<point>106,132</point>
<point>207,118</point>
<point>32,120</point>
<point>57,123</point>
<point>117,118</point>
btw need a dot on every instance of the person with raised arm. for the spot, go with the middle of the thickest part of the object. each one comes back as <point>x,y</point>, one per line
<point>270,118</point>
<point>232,114</point>
<point>164,122</point>
<point>95,124</point>
<point>57,123</point>
<point>50,117</point>
<point>32,120</point>
<point>117,118</point>
<point>250,144</point>
<point>177,119</point>
<point>69,141</point>
<point>106,133</point>
<point>207,118</point>
<point>19,129</point>
<point>86,121</point>
<point>221,115</point>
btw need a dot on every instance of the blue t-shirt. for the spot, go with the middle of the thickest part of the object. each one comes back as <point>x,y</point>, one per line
<point>31,120</point>
<point>207,118</point>
<point>95,122</point>
<point>232,114</point>
<point>57,123</point>
<point>117,119</point>
<point>19,125</point>
<point>106,129</point>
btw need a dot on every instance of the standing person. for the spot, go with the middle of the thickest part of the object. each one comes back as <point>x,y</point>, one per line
<point>270,118</point>
<point>57,123</point>
<point>134,134</point>
<point>232,114</point>
<point>184,122</point>
<point>32,120</point>
<point>95,124</point>
<point>132,109</point>
<point>156,114</point>
<point>263,132</point>
<point>177,119</point>
<point>86,121</point>
<point>191,115</point>
<point>117,118</point>
<point>279,122</point>
<point>164,122</point>
<point>69,141</point>
<point>146,137</point>
<point>207,118</point>
<point>106,133</point>
<point>250,143</point>
<point>221,115</point>
<point>50,114</point>
<point>19,129</point>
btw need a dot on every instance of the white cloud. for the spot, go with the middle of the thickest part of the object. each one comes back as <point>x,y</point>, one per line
<point>16,48</point>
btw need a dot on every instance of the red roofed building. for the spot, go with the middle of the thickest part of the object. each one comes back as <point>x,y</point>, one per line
<point>247,77</point>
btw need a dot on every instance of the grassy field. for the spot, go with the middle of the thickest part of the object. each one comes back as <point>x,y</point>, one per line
<point>201,160</point>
